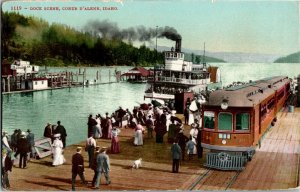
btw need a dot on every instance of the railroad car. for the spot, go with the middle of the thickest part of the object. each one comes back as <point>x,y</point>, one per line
<point>236,118</point>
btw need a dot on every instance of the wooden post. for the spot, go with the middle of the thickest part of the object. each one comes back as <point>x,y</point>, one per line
<point>51,81</point>
<point>79,71</point>
<point>97,75</point>
<point>72,76</point>
<point>3,81</point>
<point>60,79</point>
<point>109,76</point>
<point>83,78</point>
<point>100,76</point>
<point>77,77</point>
<point>8,83</point>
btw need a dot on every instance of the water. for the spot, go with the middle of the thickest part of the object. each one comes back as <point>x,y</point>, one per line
<point>72,106</point>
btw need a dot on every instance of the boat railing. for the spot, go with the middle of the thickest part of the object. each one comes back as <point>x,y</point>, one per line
<point>179,80</point>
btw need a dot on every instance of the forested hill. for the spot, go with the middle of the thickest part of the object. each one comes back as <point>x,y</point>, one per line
<point>199,58</point>
<point>41,43</point>
<point>33,39</point>
<point>292,58</point>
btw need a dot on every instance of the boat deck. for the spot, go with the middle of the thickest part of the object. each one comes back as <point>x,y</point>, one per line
<point>274,166</point>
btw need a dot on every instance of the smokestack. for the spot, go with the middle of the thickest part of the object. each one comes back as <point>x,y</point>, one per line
<point>178,45</point>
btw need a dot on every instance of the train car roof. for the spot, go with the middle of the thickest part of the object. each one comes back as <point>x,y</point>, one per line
<point>247,95</point>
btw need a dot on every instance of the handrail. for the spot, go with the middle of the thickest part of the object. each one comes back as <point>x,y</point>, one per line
<point>179,80</point>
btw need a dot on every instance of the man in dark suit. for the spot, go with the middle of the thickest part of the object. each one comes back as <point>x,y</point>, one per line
<point>22,149</point>
<point>176,155</point>
<point>6,166</point>
<point>94,165</point>
<point>48,132</point>
<point>63,134</point>
<point>30,139</point>
<point>77,167</point>
<point>103,166</point>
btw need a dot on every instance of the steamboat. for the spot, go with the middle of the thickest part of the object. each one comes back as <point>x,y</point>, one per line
<point>177,76</point>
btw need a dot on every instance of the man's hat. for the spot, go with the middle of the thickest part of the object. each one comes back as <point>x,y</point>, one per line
<point>78,149</point>
<point>103,149</point>
<point>28,130</point>
<point>4,151</point>
<point>23,133</point>
<point>56,135</point>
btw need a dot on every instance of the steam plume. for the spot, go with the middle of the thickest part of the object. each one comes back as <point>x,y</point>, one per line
<point>111,30</point>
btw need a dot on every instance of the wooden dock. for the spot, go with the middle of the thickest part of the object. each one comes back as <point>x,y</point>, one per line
<point>274,166</point>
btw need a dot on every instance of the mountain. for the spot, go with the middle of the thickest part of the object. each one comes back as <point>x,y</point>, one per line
<point>238,57</point>
<point>292,58</point>
<point>231,57</point>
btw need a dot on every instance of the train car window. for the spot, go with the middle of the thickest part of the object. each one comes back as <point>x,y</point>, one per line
<point>287,89</point>
<point>263,111</point>
<point>242,121</point>
<point>209,119</point>
<point>271,104</point>
<point>225,121</point>
<point>280,95</point>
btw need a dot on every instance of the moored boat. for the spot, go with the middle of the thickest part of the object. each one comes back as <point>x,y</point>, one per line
<point>177,76</point>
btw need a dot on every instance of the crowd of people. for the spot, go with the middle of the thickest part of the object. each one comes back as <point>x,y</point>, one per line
<point>19,144</point>
<point>160,120</point>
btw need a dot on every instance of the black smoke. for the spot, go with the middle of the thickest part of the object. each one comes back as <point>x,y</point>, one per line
<point>110,30</point>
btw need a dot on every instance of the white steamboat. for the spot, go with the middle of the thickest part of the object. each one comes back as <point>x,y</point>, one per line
<point>178,75</point>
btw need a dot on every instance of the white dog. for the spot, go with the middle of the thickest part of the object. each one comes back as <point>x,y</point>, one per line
<point>137,163</point>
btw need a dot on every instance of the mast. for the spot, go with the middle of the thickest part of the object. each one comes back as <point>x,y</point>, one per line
<point>204,63</point>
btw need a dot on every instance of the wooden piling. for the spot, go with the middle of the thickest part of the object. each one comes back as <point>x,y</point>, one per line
<point>3,89</point>
<point>109,76</point>
<point>8,83</point>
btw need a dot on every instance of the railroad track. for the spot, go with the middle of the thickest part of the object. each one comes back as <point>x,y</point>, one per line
<point>205,175</point>
<point>232,180</point>
<point>200,178</point>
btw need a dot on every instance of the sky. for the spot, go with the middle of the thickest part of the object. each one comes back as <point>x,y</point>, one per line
<point>268,27</point>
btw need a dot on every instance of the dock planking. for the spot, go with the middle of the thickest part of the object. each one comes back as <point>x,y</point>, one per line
<point>274,166</point>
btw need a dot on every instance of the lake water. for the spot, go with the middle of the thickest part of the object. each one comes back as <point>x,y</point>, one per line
<point>72,106</point>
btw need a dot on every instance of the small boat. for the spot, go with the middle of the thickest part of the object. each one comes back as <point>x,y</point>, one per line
<point>136,75</point>
<point>179,76</point>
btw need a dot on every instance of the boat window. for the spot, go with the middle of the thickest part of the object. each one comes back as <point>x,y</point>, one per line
<point>209,119</point>
<point>242,121</point>
<point>175,54</point>
<point>225,121</point>
<point>171,55</point>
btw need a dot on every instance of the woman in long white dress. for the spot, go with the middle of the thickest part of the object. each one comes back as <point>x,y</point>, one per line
<point>138,135</point>
<point>58,158</point>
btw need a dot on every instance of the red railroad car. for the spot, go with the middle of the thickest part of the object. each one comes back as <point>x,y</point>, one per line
<point>236,118</point>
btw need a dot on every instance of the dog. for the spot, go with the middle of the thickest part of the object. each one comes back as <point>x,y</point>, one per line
<point>137,163</point>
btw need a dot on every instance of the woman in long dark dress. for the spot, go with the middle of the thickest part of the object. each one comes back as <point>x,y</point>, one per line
<point>115,145</point>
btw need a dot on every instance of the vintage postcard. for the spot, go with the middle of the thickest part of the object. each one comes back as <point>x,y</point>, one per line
<point>150,95</point>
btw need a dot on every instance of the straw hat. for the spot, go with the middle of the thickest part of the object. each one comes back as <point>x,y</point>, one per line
<point>56,135</point>
<point>103,149</point>
<point>23,133</point>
